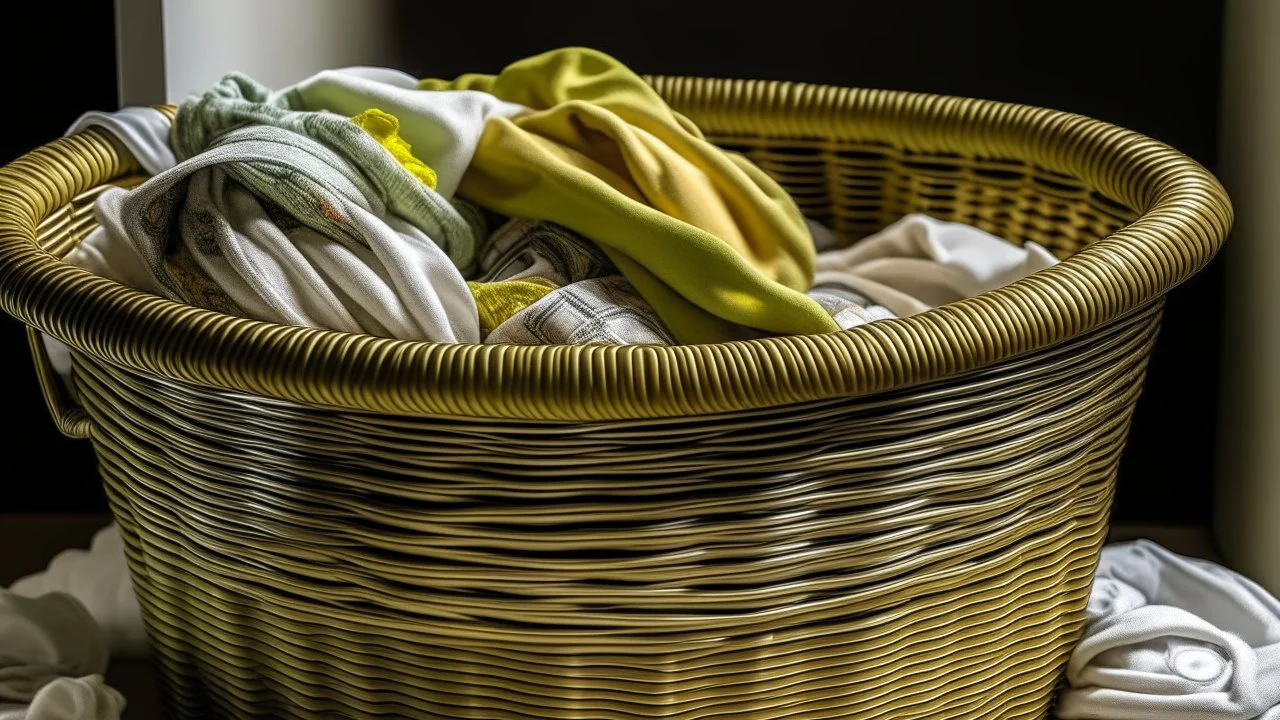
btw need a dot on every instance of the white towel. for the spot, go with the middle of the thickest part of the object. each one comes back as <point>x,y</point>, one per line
<point>920,263</point>
<point>52,656</point>
<point>1172,638</point>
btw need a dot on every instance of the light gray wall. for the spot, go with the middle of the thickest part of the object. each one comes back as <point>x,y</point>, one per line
<point>172,48</point>
<point>140,51</point>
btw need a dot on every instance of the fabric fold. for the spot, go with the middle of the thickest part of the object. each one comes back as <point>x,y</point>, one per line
<point>271,224</point>
<point>98,578</point>
<point>444,128</point>
<point>848,308</point>
<point>523,249</point>
<point>542,283</point>
<point>143,131</point>
<point>52,657</point>
<point>711,242</point>
<point>238,104</point>
<point>1172,638</point>
<point>596,311</point>
<point>64,698</point>
<point>920,262</point>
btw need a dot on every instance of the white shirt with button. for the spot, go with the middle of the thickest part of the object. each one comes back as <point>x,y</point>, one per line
<point>1172,638</point>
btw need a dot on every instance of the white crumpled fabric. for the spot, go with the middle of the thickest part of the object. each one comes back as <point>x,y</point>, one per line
<point>1173,638</point>
<point>920,263</point>
<point>99,579</point>
<point>52,657</point>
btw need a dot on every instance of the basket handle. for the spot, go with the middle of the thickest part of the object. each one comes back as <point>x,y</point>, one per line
<point>71,419</point>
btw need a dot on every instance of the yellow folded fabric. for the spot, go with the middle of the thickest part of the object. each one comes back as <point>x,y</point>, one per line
<point>498,301</point>
<point>385,128</point>
<point>714,244</point>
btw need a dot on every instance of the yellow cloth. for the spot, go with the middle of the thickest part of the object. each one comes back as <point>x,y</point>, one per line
<point>498,301</point>
<point>385,128</point>
<point>714,244</point>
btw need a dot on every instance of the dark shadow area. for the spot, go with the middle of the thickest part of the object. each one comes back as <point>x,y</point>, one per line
<point>58,61</point>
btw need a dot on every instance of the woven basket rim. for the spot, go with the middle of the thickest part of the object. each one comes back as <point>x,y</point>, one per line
<point>1185,217</point>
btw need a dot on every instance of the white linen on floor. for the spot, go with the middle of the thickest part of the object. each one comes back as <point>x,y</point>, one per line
<point>1174,638</point>
<point>99,579</point>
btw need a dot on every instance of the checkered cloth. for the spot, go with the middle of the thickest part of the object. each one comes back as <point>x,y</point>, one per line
<point>847,306</point>
<point>604,310</point>
<point>523,249</point>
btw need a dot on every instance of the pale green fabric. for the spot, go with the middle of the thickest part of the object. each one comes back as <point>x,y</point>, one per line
<point>237,101</point>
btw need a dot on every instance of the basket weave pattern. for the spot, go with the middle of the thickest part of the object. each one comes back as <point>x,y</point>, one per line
<point>898,521</point>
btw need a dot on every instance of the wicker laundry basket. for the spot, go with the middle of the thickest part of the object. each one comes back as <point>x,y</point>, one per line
<point>898,521</point>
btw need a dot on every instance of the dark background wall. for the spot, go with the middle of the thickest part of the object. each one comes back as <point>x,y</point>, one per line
<point>1135,63</point>
<point>56,63</point>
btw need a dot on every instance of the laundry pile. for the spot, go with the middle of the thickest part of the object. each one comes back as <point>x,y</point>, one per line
<point>558,202</point>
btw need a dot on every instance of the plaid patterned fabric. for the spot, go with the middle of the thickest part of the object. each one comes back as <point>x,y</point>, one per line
<point>604,310</point>
<point>848,307</point>
<point>535,248</point>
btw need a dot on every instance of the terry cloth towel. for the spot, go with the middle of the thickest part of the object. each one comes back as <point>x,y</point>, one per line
<point>307,240</point>
<point>99,579</point>
<point>52,656</point>
<point>604,310</point>
<point>1173,638</point>
<point>920,263</point>
<point>237,101</point>
<point>710,241</point>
